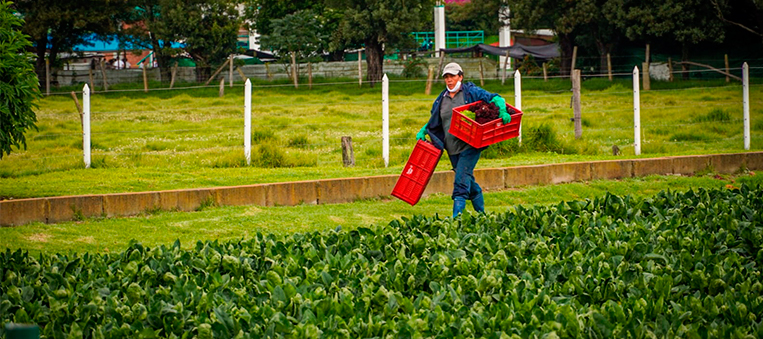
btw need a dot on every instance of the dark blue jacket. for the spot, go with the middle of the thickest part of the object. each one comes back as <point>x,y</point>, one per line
<point>472,93</point>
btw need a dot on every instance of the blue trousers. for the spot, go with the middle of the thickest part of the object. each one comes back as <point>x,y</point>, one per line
<point>463,163</point>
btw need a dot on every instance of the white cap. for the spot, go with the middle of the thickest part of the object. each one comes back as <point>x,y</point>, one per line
<point>452,68</point>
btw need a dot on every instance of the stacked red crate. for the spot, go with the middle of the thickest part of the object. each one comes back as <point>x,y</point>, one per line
<point>417,172</point>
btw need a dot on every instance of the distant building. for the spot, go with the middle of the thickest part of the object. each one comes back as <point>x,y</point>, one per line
<point>535,38</point>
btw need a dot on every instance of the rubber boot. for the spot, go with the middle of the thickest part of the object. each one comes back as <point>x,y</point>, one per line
<point>479,204</point>
<point>458,206</point>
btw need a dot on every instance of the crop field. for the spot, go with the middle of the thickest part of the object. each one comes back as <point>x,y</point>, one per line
<point>677,264</point>
<point>191,138</point>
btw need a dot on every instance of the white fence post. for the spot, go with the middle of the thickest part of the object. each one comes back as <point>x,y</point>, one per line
<point>518,98</point>
<point>746,103</point>
<point>385,120</point>
<point>248,121</point>
<point>86,124</point>
<point>636,113</point>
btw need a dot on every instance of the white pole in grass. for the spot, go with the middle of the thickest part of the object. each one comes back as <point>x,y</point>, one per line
<point>636,113</point>
<point>86,124</point>
<point>518,98</point>
<point>385,120</point>
<point>746,103</point>
<point>248,121</point>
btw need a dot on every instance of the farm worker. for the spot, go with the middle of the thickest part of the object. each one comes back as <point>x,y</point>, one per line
<point>462,156</point>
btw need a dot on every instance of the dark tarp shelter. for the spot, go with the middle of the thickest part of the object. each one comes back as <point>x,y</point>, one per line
<point>517,51</point>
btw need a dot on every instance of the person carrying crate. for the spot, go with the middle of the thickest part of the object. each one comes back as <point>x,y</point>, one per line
<point>462,156</point>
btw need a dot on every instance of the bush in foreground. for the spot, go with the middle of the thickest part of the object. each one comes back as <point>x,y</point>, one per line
<point>674,265</point>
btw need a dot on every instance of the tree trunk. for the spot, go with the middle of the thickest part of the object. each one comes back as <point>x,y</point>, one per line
<point>203,72</point>
<point>374,60</point>
<point>566,45</point>
<point>604,48</point>
<point>40,65</point>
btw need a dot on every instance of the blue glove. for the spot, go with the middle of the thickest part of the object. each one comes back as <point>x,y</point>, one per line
<point>422,135</point>
<point>501,103</point>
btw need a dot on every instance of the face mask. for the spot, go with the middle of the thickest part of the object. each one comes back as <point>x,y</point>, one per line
<point>455,88</point>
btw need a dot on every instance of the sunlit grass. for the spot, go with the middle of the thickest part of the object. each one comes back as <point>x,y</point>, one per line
<point>296,132</point>
<point>99,235</point>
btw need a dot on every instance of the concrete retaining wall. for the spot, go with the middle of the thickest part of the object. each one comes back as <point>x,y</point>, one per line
<point>331,191</point>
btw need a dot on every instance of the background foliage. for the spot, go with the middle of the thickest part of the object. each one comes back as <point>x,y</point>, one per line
<point>18,83</point>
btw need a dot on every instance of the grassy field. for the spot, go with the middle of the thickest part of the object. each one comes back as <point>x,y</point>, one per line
<point>191,138</point>
<point>100,235</point>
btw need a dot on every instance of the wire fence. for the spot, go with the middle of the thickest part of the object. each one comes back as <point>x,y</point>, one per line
<point>367,139</point>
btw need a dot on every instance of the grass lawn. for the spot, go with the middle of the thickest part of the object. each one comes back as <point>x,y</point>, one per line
<point>192,138</point>
<point>100,235</point>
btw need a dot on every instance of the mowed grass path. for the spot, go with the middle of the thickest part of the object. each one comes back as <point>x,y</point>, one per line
<point>192,138</point>
<point>101,235</point>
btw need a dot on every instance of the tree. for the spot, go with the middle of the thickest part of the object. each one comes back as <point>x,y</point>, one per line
<point>298,33</point>
<point>744,14</point>
<point>380,24</point>
<point>688,22</point>
<point>19,87</point>
<point>262,13</point>
<point>566,18</point>
<point>57,26</point>
<point>473,15</point>
<point>209,29</point>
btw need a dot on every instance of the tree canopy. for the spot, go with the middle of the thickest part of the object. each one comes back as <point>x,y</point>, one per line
<point>299,32</point>
<point>18,83</point>
<point>57,26</point>
<point>380,25</point>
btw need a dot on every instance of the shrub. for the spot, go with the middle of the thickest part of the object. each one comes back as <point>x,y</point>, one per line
<point>716,115</point>
<point>542,139</point>
<point>269,156</point>
<point>414,68</point>
<point>299,141</point>
<point>18,83</point>
<point>263,135</point>
<point>503,149</point>
<point>688,136</point>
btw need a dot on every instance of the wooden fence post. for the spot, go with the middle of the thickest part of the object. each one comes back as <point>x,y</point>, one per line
<point>645,80</point>
<point>217,72</point>
<point>670,69</point>
<point>90,75</point>
<point>222,87</point>
<point>360,69</point>
<point>174,72</point>
<point>230,71</point>
<point>76,103</point>
<point>574,59</point>
<point>348,157</point>
<point>576,103</point>
<point>430,74</point>
<point>545,72</point>
<point>310,75</point>
<point>294,69</point>
<point>482,76</point>
<point>609,67</point>
<point>145,79</point>
<point>103,74</point>
<point>505,65</point>
<point>726,59</point>
<point>241,73</point>
<point>439,65</point>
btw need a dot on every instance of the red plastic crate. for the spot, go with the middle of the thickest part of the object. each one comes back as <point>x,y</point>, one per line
<point>417,172</point>
<point>481,135</point>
